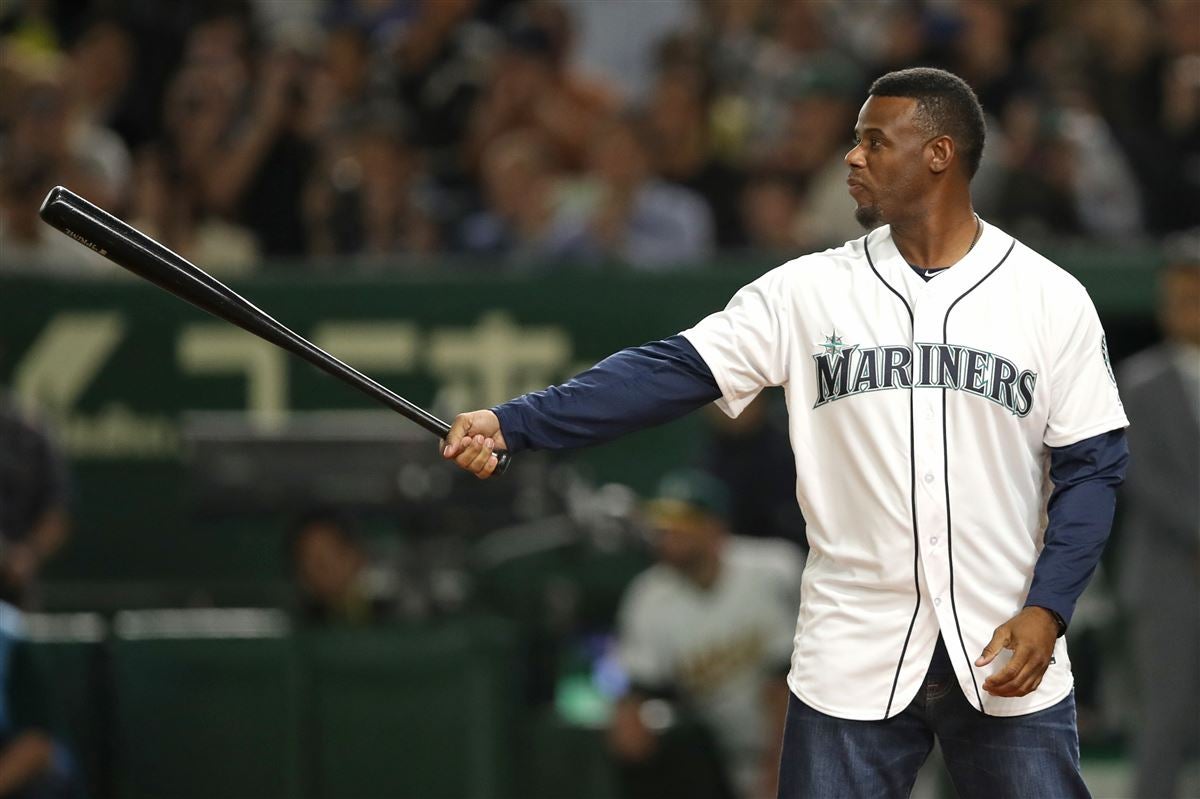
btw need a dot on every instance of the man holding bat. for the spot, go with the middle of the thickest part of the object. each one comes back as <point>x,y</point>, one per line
<point>958,440</point>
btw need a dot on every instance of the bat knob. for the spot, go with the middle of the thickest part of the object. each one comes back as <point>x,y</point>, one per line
<point>503,459</point>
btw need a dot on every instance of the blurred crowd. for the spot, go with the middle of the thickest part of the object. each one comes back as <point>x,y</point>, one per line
<point>650,134</point>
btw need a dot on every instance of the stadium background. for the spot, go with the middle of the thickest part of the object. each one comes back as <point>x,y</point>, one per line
<point>421,188</point>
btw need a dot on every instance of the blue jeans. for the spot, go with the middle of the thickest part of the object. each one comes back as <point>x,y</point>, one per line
<point>1000,757</point>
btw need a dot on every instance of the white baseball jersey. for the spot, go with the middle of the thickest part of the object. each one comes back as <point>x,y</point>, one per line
<point>717,645</point>
<point>920,417</point>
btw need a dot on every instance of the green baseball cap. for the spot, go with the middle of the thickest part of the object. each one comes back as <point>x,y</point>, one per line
<point>687,492</point>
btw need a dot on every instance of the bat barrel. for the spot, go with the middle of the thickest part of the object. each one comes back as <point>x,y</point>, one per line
<point>102,232</point>
<point>130,248</point>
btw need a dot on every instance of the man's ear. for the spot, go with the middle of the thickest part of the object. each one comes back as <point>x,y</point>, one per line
<point>941,153</point>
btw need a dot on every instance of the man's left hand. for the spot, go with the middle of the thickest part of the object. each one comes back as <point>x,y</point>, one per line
<point>1030,635</point>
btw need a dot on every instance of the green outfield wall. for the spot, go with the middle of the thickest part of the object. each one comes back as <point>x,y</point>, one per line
<point>114,364</point>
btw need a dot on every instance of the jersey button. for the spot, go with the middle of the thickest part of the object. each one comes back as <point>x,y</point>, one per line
<point>929,477</point>
<point>933,539</point>
<point>937,601</point>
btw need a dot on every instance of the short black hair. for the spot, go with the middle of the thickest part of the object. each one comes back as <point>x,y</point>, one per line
<point>945,105</point>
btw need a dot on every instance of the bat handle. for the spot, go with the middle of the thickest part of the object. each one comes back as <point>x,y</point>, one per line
<point>440,429</point>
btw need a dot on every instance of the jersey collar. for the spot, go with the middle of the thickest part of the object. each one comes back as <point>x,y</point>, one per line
<point>987,252</point>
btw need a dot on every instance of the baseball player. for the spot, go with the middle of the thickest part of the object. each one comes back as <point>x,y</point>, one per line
<point>710,625</point>
<point>958,440</point>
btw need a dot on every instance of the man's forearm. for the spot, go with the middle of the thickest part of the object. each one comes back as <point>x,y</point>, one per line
<point>628,736</point>
<point>636,388</point>
<point>1086,476</point>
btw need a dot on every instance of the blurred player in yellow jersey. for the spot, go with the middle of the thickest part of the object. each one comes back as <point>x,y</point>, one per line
<point>710,626</point>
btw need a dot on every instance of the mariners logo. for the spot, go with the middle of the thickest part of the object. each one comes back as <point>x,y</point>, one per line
<point>844,370</point>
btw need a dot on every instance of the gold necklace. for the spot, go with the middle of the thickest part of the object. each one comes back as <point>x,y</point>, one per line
<point>974,241</point>
<point>978,233</point>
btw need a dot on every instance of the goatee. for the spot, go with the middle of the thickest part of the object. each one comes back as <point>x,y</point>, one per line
<point>868,216</point>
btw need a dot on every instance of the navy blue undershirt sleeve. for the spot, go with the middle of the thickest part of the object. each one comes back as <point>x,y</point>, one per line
<point>635,388</point>
<point>1085,476</point>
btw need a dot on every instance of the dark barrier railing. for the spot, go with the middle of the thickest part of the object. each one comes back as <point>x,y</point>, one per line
<point>235,704</point>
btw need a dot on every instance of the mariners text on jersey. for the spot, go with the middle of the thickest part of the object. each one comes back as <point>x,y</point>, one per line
<point>844,370</point>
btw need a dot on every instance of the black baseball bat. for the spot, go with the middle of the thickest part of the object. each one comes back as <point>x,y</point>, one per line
<point>128,247</point>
